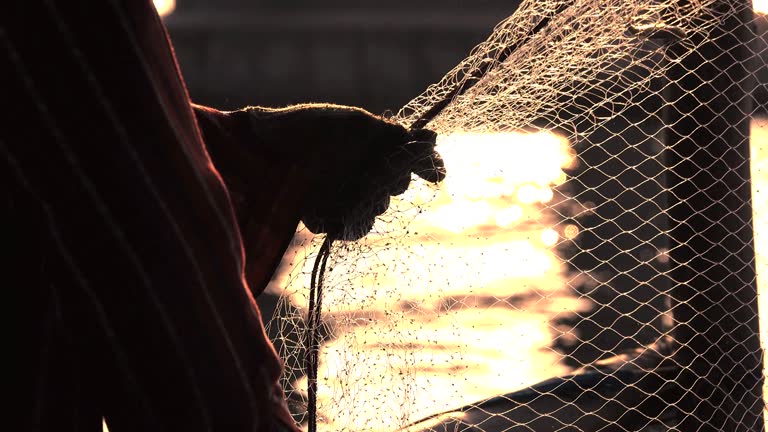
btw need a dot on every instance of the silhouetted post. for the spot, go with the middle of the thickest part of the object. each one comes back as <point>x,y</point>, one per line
<point>711,233</point>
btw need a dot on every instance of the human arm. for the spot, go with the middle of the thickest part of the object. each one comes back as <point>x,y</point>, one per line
<point>331,166</point>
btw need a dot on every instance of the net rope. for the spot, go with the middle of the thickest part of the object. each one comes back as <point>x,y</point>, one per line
<point>588,263</point>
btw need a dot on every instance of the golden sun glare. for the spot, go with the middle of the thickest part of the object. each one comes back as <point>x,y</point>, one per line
<point>165,7</point>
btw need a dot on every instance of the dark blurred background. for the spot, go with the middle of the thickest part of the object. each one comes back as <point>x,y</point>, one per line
<point>373,54</point>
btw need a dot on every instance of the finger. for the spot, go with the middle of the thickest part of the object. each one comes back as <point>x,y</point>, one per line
<point>380,205</point>
<point>427,163</point>
<point>423,135</point>
<point>400,184</point>
<point>392,172</point>
<point>406,155</point>
<point>431,168</point>
<point>417,157</point>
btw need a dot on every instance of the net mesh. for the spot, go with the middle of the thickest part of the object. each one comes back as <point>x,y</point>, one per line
<point>588,263</point>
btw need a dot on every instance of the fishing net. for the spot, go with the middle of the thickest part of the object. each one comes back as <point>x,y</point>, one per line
<point>588,263</point>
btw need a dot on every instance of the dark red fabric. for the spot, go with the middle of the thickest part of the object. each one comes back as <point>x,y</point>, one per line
<point>128,263</point>
<point>268,189</point>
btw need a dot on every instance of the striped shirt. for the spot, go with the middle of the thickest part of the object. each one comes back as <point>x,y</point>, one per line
<point>127,263</point>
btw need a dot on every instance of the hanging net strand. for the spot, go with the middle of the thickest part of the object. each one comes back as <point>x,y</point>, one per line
<point>313,322</point>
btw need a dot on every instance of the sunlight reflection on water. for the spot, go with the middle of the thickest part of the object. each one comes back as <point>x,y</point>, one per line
<point>487,329</point>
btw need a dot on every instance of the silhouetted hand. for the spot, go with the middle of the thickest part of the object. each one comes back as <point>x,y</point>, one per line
<point>333,167</point>
<point>352,161</point>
